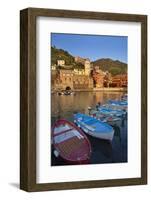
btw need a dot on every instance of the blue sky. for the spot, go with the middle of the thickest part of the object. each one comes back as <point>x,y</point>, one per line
<point>92,46</point>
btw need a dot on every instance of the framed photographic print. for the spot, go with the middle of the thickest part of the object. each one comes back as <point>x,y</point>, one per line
<point>83,99</point>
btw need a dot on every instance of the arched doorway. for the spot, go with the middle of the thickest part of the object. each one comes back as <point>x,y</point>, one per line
<point>68,88</point>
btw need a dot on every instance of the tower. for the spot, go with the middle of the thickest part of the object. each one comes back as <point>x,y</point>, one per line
<point>87,67</point>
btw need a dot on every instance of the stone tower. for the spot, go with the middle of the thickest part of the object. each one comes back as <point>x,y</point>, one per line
<point>87,66</point>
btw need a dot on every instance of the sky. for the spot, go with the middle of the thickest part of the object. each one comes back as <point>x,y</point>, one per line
<point>92,46</point>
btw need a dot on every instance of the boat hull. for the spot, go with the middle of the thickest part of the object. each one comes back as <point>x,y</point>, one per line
<point>101,135</point>
<point>70,143</point>
<point>115,123</point>
<point>111,112</point>
<point>106,132</point>
<point>117,107</point>
<point>122,104</point>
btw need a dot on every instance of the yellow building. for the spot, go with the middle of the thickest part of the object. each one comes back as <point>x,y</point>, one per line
<point>87,67</point>
<point>79,71</point>
<point>61,62</point>
<point>73,78</point>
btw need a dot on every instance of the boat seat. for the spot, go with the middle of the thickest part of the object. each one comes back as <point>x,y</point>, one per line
<point>67,135</point>
<point>64,131</point>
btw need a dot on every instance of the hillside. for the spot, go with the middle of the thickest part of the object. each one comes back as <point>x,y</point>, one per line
<point>113,66</point>
<point>106,64</point>
<point>61,54</point>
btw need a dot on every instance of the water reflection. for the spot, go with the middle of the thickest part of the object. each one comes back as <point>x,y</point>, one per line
<point>64,106</point>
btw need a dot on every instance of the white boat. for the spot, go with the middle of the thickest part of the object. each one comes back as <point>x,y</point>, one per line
<point>94,127</point>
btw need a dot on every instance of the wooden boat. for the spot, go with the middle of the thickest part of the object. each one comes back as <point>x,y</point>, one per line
<point>111,120</point>
<point>70,142</point>
<point>94,127</point>
<point>118,104</point>
<point>66,92</point>
<point>115,107</point>
<point>61,92</point>
<point>111,112</point>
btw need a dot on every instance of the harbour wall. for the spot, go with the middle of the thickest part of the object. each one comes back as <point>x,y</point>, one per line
<point>102,90</point>
<point>110,89</point>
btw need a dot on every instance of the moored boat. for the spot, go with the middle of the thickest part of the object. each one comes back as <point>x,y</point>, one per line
<point>66,92</point>
<point>61,92</point>
<point>115,107</point>
<point>70,143</point>
<point>124,97</point>
<point>94,127</point>
<point>118,102</point>
<point>111,120</point>
<point>111,112</point>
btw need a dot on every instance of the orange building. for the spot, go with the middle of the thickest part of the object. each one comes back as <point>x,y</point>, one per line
<point>120,80</point>
<point>98,77</point>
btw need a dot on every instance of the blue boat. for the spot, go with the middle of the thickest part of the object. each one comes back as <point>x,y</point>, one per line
<point>94,127</point>
<point>111,112</point>
<point>118,102</point>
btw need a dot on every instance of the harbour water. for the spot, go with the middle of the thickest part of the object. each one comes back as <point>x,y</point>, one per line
<point>102,151</point>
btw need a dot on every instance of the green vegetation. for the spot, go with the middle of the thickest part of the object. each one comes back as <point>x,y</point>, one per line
<point>113,66</point>
<point>61,54</point>
<point>78,66</point>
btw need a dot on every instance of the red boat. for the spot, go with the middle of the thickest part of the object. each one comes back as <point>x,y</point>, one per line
<point>70,142</point>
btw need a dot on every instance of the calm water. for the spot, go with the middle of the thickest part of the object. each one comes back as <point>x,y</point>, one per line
<point>102,151</point>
